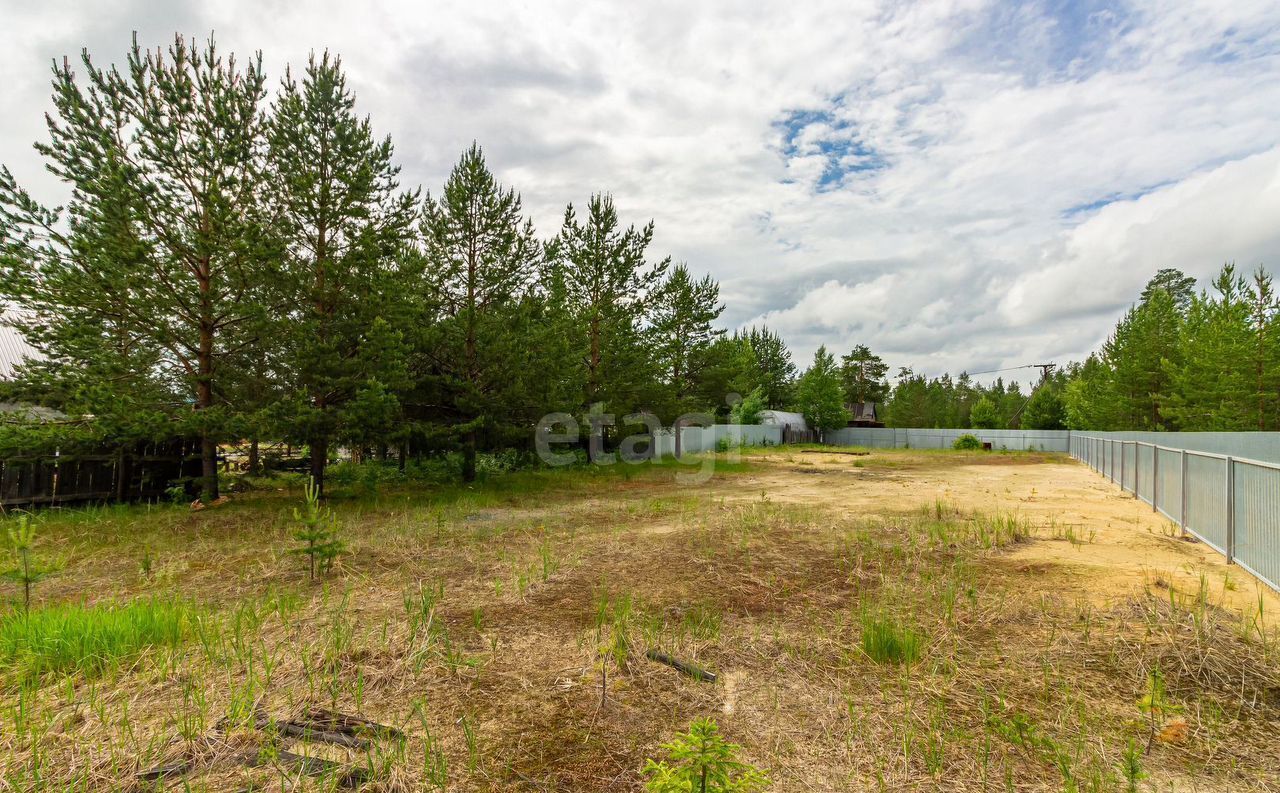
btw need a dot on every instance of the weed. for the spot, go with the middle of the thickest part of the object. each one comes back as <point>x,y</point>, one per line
<point>1131,767</point>
<point>1155,703</point>
<point>702,621</point>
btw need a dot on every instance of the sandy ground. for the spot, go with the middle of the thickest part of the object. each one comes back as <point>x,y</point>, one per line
<point>1123,545</point>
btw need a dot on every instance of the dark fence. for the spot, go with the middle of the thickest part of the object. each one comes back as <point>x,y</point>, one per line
<point>142,473</point>
<point>792,435</point>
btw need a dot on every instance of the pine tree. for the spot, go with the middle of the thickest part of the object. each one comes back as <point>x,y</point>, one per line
<point>165,237</point>
<point>819,395</point>
<point>317,531</point>
<point>600,273</point>
<point>1264,352</point>
<point>682,315</point>
<point>1179,286</point>
<point>1210,385</point>
<point>1044,410</point>
<point>984,415</point>
<point>777,372</point>
<point>480,259</point>
<point>727,366</point>
<point>337,205</point>
<point>863,376</point>
<point>908,402</point>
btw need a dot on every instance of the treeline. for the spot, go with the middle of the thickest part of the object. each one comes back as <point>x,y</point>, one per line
<point>235,263</point>
<point>1179,359</point>
<point>1186,360</point>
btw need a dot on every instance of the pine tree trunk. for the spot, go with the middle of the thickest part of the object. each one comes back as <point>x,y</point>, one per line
<point>403,454</point>
<point>209,468</point>
<point>253,457</point>
<point>469,458</point>
<point>204,387</point>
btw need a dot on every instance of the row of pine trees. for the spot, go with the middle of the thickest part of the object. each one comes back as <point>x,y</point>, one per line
<point>236,263</point>
<point>1179,359</point>
<point>1187,360</point>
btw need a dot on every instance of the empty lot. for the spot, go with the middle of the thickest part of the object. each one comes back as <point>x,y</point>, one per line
<point>503,631</point>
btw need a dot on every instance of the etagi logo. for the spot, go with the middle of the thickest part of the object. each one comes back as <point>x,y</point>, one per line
<point>558,436</point>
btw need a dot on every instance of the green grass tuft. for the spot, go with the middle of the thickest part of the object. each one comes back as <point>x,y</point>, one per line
<point>885,641</point>
<point>87,639</point>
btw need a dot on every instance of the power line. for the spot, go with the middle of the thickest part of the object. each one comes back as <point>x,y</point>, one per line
<point>1045,369</point>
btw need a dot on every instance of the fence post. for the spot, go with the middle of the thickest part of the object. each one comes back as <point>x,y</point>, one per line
<point>1231,511</point>
<point>1136,457</point>
<point>1155,475</point>
<point>1122,456</point>
<point>1182,489</point>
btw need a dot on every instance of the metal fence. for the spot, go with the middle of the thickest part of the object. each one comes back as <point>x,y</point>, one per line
<point>904,438</point>
<point>1231,503</point>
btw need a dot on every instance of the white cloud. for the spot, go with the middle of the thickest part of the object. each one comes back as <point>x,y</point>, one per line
<point>978,183</point>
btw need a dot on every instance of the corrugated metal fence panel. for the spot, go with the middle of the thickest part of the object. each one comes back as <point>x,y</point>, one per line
<point>1129,459</point>
<point>1232,504</point>
<point>1207,499</point>
<point>1263,446</point>
<point>1169,484</point>
<point>920,438</point>
<point>1145,457</point>
<point>704,439</point>
<point>1256,507</point>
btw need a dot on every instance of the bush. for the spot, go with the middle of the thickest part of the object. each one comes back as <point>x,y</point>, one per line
<point>726,443</point>
<point>87,639</point>
<point>967,442</point>
<point>747,410</point>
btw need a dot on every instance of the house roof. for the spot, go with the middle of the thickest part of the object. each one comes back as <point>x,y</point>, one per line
<point>13,349</point>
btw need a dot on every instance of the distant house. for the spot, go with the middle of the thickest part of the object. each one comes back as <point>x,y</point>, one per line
<point>863,414</point>
<point>781,418</point>
<point>13,351</point>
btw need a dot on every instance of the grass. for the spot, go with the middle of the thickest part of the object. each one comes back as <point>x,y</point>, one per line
<point>89,640</point>
<point>887,641</point>
<point>871,628</point>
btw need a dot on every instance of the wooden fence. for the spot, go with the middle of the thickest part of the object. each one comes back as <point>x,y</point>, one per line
<point>142,473</point>
<point>793,435</point>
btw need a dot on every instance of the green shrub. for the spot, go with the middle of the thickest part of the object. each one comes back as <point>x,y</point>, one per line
<point>887,642</point>
<point>967,442</point>
<point>726,443</point>
<point>747,410</point>
<point>87,639</point>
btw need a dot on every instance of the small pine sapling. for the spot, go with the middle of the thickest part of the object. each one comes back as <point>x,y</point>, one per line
<point>1156,705</point>
<point>22,535</point>
<point>1131,767</point>
<point>703,762</point>
<point>318,529</point>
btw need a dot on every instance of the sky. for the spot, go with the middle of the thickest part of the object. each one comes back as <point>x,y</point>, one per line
<point>960,185</point>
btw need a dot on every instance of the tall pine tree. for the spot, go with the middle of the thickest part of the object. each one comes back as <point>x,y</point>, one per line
<point>481,260</point>
<point>165,160</point>
<point>344,223</point>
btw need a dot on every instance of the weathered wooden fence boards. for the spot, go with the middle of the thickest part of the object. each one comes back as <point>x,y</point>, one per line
<point>142,473</point>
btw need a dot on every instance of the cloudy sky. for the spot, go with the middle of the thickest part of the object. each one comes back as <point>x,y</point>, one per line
<point>958,184</point>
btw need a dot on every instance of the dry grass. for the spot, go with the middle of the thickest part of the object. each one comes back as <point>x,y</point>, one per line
<point>485,623</point>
